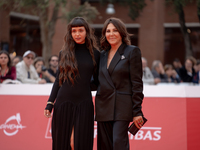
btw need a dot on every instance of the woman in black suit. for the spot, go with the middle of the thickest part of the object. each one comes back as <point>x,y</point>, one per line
<point>119,94</point>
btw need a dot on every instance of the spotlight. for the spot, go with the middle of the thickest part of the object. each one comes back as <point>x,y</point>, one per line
<point>110,9</point>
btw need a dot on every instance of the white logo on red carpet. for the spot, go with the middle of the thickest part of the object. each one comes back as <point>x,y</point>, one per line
<point>147,133</point>
<point>12,125</point>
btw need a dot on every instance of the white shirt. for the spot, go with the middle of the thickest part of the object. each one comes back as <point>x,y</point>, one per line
<point>147,76</point>
<point>22,73</point>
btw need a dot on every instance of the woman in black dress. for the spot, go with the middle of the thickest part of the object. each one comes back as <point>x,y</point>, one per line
<point>73,116</point>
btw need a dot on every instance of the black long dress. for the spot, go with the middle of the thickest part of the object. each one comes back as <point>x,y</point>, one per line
<point>74,106</point>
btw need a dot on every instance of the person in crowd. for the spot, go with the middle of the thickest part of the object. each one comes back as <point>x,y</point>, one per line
<point>16,59</point>
<point>147,77</point>
<point>26,72</point>
<point>53,65</point>
<point>120,92</point>
<point>177,65</point>
<point>187,72</point>
<point>172,75</point>
<point>73,116</point>
<point>196,78</point>
<point>12,56</point>
<point>158,72</point>
<point>39,65</point>
<point>6,70</point>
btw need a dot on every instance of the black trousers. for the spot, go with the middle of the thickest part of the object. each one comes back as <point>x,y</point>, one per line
<point>112,135</point>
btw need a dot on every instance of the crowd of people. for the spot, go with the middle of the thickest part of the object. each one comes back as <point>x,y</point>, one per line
<point>32,69</point>
<point>27,69</point>
<point>172,73</point>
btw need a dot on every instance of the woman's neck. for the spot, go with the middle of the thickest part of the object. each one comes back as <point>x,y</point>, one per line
<point>80,46</point>
<point>3,67</point>
<point>115,47</point>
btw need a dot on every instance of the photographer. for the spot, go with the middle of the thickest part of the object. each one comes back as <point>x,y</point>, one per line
<point>42,70</point>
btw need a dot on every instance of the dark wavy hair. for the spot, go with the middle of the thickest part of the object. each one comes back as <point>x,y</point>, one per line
<point>9,60</point>
<point>120,26</point>
<point>68,64</point>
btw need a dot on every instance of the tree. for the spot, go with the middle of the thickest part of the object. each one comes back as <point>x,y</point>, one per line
<point>47,22</point>
<point>178,7</point>
<point>198,9</point>
<point>85,11</point>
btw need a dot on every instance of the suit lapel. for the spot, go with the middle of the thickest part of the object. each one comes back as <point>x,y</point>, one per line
<point>116,58</point>
<point>105,70</point>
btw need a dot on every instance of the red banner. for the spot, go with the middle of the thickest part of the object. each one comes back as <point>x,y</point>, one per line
<point>173,123</point>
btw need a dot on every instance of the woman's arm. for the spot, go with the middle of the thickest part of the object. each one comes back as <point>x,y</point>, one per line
<point>136,80</point>
<point>54,92</point>
<point>49,76</point>
<point>94,81</point>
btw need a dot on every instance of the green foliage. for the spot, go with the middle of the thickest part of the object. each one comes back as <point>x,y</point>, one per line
<point>29,4</point>
<point>2,3</point>
<point>198,6</point>
<point>5,3</point>
<point>178,4</point>
<point>35,6</point>
<point>85,10</point>
<point>136,6</point>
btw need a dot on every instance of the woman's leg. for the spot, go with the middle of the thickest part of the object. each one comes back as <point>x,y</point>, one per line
<point>104,135</point>
<point>72,139</point>
<point>120,135</point>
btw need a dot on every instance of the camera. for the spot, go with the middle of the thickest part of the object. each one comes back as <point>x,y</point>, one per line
<point>44,68</point>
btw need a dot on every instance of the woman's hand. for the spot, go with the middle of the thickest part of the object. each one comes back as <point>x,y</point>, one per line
<point>42,81</point>
<point>39,69</point>
<point>138,121</point>
<point>47,113</point>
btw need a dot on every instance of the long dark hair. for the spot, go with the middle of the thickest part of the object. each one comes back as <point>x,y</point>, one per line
<point>9,60</point>
<point>68,64</point>
<point>120,26</point>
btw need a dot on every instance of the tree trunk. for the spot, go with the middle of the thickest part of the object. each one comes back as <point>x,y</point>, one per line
<point>198,12</point>
<point>47,31</point>
<point>184,30</point>
<point>44,35</point>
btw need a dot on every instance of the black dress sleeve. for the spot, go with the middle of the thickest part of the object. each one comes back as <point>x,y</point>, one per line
<point>54,90</point>
<point>136,80</point>
<point>94,81</point>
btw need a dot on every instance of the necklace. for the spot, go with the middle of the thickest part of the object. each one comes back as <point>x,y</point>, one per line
<point>5,72</point>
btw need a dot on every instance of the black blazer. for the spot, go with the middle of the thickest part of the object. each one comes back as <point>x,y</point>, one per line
<point>184,75</point>
<point>119,94</point>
